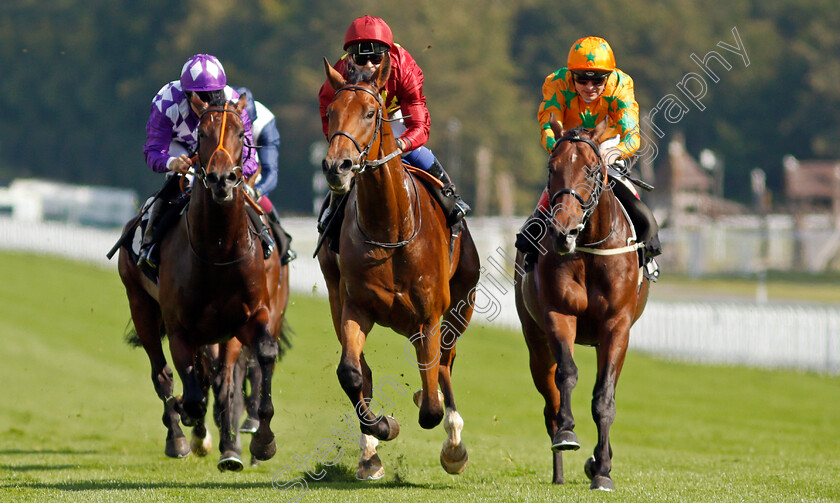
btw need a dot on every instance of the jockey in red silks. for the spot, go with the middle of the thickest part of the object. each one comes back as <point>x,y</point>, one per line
<point>172,137</point>
<point>366,41</point>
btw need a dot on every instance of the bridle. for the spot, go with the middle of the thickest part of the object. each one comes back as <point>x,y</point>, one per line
<point>588,206</point>
<point>363,163</point>
<point>201,173</point>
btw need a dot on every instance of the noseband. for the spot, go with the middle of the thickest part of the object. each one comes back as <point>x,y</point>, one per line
<point>201,174</point>
<point>363,163</point>
<point>588,206</point>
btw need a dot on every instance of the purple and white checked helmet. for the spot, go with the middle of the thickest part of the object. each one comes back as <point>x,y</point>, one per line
<point>203,72</point>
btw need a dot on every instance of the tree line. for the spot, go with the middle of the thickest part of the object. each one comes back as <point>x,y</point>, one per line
<point>79,77</point>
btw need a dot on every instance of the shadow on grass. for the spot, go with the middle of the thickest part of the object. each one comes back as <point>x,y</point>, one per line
<point>343,477</point>
<point>35,468</point>
<point>46,451</point>
<point>111,485</point>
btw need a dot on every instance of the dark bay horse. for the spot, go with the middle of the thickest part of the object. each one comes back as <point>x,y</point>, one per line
<point>395,268</point>
<point>214,288</point>
<point>585,288</point>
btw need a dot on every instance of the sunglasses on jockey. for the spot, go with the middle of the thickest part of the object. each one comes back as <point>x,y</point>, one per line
<point>367,51</point>
<point>597,78</point>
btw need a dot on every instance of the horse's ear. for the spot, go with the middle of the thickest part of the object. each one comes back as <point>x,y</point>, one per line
<point>333,77</point>
<point>198,104</point>
<point>383,72</point>
<point>556,127</point>
<point>598,132</point>
<point>242,103</point>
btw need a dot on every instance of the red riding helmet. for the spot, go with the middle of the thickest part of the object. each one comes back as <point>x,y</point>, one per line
<point>368,29</point>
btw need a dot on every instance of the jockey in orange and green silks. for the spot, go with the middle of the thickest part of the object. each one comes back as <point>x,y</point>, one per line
<point>586,91</point>
<point>591,58</point>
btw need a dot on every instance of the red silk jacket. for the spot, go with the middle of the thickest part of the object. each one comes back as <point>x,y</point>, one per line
<point>403,91</point>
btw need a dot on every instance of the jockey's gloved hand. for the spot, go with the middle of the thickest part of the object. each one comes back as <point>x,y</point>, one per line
<point>620,165</point>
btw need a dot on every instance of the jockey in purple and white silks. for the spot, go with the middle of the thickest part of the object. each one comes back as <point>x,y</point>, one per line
<point>172,135</point>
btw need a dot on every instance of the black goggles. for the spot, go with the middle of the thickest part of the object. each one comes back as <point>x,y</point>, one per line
<point>362,59</point>
<point>595,78</point>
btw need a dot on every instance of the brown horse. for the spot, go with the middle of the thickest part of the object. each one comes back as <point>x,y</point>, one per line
<point>588,293</point>
<point>395,268</point>
<point>214,288</point>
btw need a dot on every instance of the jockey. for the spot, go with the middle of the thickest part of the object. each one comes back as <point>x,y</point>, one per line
<point>366,41</point>
<point>172,137</point>
<point>586,91</point>
<point>264,130</point>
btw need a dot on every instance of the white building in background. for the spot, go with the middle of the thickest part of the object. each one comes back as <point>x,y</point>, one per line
<point>32,200</point>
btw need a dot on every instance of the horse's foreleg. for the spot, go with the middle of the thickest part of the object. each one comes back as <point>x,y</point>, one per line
<point>262,444</point>
<point>611,351</point>
<point>453,454</point>
<point>207,361</point>
<point>561,335</point>
<point>352,379</point>
<point>253,376</point>
<point>224,388</point>
<point>194,402</point>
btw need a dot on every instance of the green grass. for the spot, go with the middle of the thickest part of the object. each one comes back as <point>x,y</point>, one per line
<point>81,422</point>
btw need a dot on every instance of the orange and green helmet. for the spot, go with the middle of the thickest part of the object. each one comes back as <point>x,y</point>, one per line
<point>591,55</point>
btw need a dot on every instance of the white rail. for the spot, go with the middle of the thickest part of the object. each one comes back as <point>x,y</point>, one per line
<point>762,335</point>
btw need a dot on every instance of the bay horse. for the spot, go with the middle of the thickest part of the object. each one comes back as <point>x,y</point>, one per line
<point>396,267</point>
<point>214,287</point>
<point>589,293</point>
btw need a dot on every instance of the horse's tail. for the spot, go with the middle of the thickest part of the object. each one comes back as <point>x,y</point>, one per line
<point>132,339</point>
<point>283,340</point>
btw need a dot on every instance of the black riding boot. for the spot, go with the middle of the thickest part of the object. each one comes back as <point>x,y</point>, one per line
<point>327,209</point>
<point>284,239</point>
<point>146,259</point>
<point>454,207</point>
<point>262,231</point>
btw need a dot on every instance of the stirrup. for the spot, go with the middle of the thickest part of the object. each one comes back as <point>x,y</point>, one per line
<point>288,257</point>
<point>145,257</point>
<point>651,270</point>
<point>268,242</point>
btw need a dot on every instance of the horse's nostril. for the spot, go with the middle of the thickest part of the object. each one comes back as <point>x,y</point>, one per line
<point>212,178</point>
<point>346,164</point>
<point>325,166</point>
<point>231,177</point>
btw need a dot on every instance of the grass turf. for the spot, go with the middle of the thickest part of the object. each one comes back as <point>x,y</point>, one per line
<point>81,422</point>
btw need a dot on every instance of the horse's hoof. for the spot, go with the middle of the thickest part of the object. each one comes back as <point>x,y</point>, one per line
<point>263,451</point>
<point>602,483</point>
<point>418,397</point>
<point>250,425</point>
<point>455,461</point>
<point>393,428</point>
<point>370,469</point>
<point>177,447</point>
<point>587,467</point>
<point>565,440</point>
<point>230,462</point>
<point>201,446</point>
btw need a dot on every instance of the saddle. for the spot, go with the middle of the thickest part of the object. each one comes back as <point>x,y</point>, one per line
<point>332,228</point>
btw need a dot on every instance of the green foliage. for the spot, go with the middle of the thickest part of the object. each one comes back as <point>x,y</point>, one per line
<point>79,76</point>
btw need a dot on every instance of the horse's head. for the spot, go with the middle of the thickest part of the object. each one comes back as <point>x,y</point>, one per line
<point>355,119</point>
<point>221,136</point>
<point>576,179</point>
